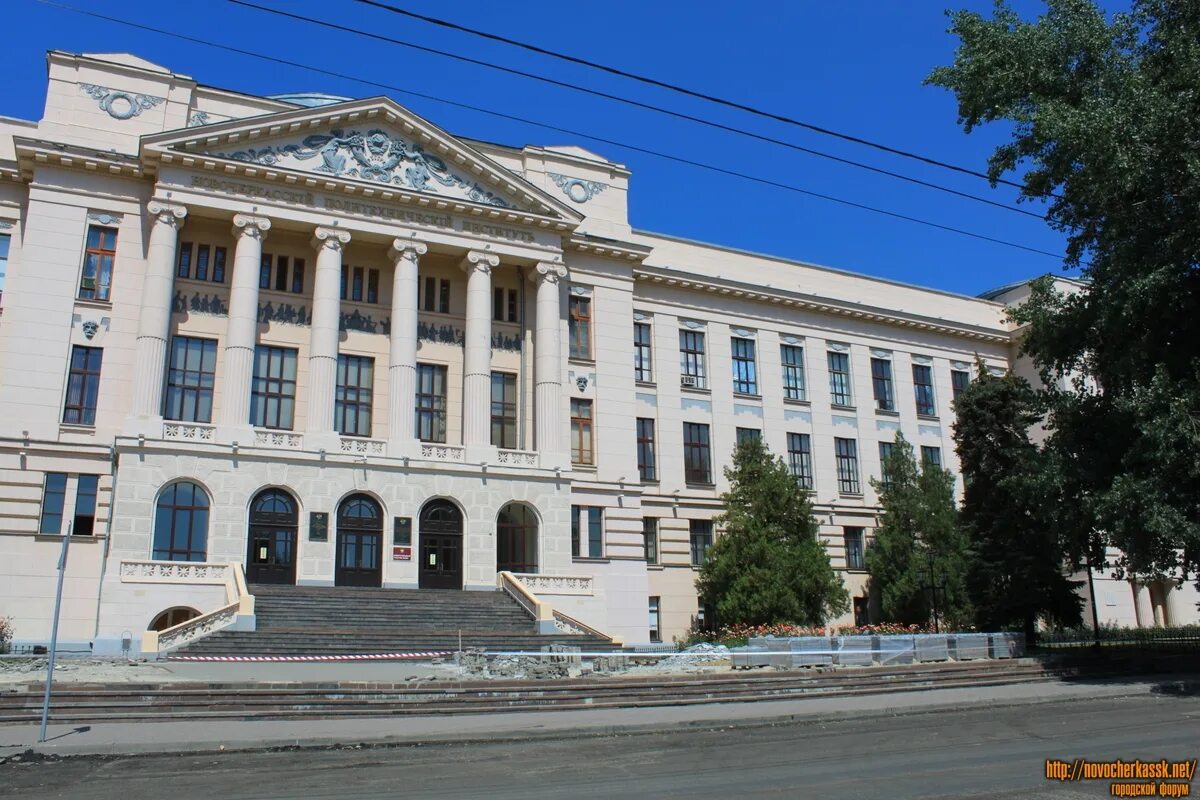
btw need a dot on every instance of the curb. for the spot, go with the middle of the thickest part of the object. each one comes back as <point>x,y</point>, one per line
<point>150,750</point>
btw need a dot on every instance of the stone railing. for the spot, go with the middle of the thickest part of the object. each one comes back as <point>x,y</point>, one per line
<point>442,452</point>
<point>238,610</point>
<point>367,447</point>
<point>556,584</point>
<point>270,438</point>
<point>517,458</point>
<point>189,431</point>
<point>549,621</point>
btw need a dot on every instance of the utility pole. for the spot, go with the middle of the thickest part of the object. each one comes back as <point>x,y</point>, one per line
<point>62,572</point>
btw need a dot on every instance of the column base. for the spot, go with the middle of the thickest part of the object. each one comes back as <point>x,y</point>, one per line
<point>150,427</point>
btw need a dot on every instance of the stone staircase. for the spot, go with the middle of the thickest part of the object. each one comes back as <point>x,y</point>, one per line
<point>308,620</point>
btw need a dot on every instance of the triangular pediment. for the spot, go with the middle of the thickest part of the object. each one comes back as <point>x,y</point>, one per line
<point>375,142</point>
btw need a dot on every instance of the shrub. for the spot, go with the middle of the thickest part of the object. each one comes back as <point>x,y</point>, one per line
<point>6,633</point>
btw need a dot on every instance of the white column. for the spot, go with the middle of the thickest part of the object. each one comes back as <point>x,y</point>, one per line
<point>547,366</point>
<point>1141,605</point>
<point>323,344</point>
<point>154,324</point>
<point>241,334</point>
<point>402,351</point>
<point>477,353</point>
<point>1177,613</point>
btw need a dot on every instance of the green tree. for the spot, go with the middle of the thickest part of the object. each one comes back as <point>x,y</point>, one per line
<point>769,565</point>
<point>1104,115</point>
<point>1017,562</point>
<point>919,548</point>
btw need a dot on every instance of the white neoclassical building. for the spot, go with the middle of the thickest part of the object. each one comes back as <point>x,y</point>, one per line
<point>321,341</point>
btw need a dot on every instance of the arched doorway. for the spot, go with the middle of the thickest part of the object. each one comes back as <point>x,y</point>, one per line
<point>359,542</point>
<point>516,539</point>
<point>441,527</point>
<point>271,549</point>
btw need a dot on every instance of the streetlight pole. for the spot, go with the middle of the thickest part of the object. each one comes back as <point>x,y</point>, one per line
<point>62,571</point>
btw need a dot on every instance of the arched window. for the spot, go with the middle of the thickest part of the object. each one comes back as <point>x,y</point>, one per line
<point>271,556</point>
<point>441,516</point>
<point>516,539</point>
<point>172,617</point>
<point>361,512</point>
<point>181,523</point>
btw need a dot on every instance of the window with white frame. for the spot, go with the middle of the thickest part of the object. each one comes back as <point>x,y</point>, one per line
<point>643,353</point>
<point>840,393</point>
<point>791,357</point>
<point>691,359</point>
<point>745,371</point>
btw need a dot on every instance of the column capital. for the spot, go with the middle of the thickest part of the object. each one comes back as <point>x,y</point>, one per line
<point>247,225</point>
<point>333,238</point>
<point>479,261</point>
<point>550,272</point>
<point>407,248</point>
<point>167,213</point>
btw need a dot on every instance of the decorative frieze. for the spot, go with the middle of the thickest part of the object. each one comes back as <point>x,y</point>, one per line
<point>194,572</point>
<point>118,104</point>
<point>557,584</point>
<point>197,118</point>
<point>442,452</point>
<point>577,189</point>
<point>517,458</point>
<point>371,447</point>
<point>269,438</point>
<point>104,218</point>
<point>188,431</point>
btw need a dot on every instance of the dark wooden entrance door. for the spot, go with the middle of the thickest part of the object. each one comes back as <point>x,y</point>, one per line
<point>359,543</point>
<point>271,544</point>
<point>441,532</point>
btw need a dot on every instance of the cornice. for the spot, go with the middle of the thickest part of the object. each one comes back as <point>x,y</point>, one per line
<point>33,153</point>
<point>823,305</point>
<point>609,248</point>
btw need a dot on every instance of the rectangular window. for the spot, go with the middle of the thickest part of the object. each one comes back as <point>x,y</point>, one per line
<point>504,410</point>
<point>593,518</point>
<point>647,466</point>
<point>183,263</point>
<point>281,273</point>
<point>190,379</point>
<point>885,452</point>
<point>5,243</point>
<point>372,286</point>
<point>504,305</point>
<point>655,620</point>
<point>701,535</point>
<point>443,305</point>
<point>514,308</point>
<point>429,301</point>
<point>846,451</point>
<point>853,539</point>
<point>498,304</point>
<point>792,358</point>
<point>273,390</point>
<point>643,353</point>
<point>54,496</point>
<point>580,327</point>
<point>697,453</point>
<point>297,276</point>
<point>881,382</point>
<point>202,253</point>
<point>218,271</point>
<point>83,386</point>
<point>745,435</point>
<point>799,446</point>
<point>959,381</point>
<point>356,287</point>
<point>650,539</point>
<point>581,432</point>
<point>85,505</point>
<point>264,271</point>
<point>931,456</point>
<point>98,258</point>
<point>691,359</point>
<point>745,371</point>
<point>840,393</point>
<point>923,387</point>
<point>431,402</point>
<point>353,398</point>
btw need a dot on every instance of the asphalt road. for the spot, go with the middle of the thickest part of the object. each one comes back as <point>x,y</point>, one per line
<point>979,753</point>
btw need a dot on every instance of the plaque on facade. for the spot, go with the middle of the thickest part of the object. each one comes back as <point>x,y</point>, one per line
<point>318,526</point>
<point>402,531</point>
<point>401,554</point>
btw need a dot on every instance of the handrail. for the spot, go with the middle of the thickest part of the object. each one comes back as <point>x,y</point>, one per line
<point>549,620</point>
<point>574,623</point>
<point>238,603</point>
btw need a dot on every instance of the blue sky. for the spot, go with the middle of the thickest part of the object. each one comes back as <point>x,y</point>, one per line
<point>855,67</point>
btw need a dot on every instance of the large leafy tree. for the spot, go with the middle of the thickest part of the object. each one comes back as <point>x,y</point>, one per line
<point>1017,571</point>
<point>1104,116</point>
<point>919,556</point>
<point>769,565</point>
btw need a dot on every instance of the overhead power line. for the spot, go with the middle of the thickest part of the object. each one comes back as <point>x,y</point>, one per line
<point>543,125</point>
<point>628,101</point>
<point>533,48</point>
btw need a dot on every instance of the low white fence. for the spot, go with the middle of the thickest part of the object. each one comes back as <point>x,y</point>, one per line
<point>869,650</point>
